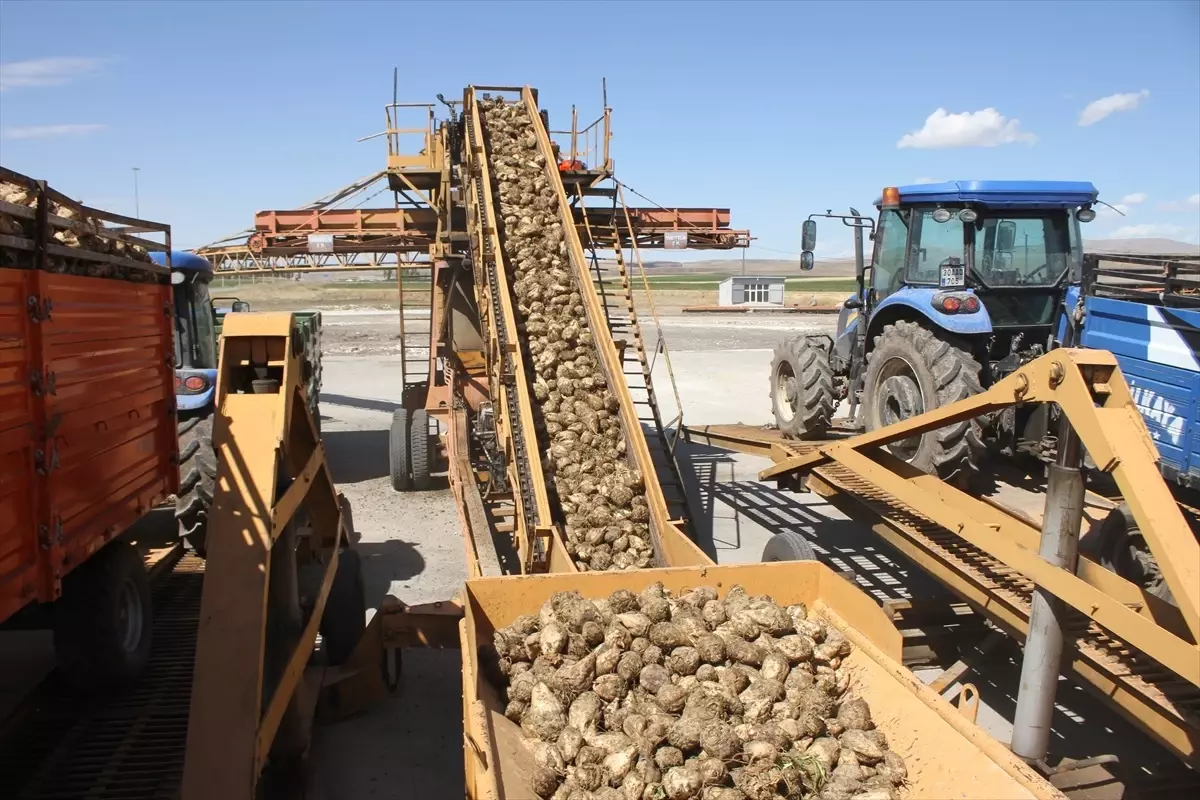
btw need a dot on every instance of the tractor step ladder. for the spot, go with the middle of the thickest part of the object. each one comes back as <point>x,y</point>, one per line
<point>637,365</point>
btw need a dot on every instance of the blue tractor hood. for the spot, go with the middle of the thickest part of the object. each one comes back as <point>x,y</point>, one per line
<point>183,260</point>
<point>1001,194</point>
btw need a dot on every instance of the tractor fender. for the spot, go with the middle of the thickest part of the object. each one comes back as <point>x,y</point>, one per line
<point>916,303</point>
<point>202,400</point>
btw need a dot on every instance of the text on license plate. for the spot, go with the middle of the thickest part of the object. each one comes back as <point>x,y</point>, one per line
<point>954,276</point>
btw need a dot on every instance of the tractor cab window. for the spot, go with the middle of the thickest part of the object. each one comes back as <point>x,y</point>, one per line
<point>1023,251</point>
<point>194,332</point>
<point>934,245</point>
<point>891,241</point>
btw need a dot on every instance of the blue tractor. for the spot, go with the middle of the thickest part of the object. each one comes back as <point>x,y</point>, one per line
<point>195,391</point>
<point>967,281</point>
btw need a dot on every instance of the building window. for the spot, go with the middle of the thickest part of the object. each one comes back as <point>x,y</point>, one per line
<point>757,293</point>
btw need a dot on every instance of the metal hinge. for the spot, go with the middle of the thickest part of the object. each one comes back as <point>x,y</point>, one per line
<point>41,387</point>
<point>47,538</point>
<point>46,466</point>
<point>39,310</point>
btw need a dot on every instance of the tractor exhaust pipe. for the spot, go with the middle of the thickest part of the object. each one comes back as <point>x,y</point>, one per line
<point>1044,645</point>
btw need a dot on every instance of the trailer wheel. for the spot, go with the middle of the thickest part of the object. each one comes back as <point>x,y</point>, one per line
<point>802,387</point>
<point>1124,550</point>
<point>102,621</point>
<point>398,450</point>
<point>912,370</point>
<point>788,546</point>
<point>197,476</point>
<point>345,617</point>
<point>418,443</point>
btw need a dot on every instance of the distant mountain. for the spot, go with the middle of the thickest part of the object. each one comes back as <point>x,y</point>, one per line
<point>1141,247</point>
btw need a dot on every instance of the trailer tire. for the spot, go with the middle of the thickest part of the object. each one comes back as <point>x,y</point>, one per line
<point>911,370</point>
<point>197,477</point>
<point>345,617</point>
<point>1123,550</point>
<point>802,387</point>
<point>102,622</point>
<point>788,546</point>
<point>398,450</point>
<point>418,449</point>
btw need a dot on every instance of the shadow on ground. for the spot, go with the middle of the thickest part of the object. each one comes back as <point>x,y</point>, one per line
<point>356,456</point>
<point>365,403</point>
<point>385,563</point>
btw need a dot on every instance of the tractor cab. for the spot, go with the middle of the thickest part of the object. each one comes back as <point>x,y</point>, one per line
<point>195,332</point>
<point>965,282</point>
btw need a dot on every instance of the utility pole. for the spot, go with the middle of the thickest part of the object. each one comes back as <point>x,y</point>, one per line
<point>137,209</point>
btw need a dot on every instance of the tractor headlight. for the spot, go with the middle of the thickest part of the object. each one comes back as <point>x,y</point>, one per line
<point>1085,214</point>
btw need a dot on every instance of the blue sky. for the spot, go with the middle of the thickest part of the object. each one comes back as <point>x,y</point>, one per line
<point>773,109</point>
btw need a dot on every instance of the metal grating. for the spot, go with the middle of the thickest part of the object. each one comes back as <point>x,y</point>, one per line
<point>128,747</point>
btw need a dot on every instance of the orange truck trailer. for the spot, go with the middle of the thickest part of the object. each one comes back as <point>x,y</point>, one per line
<point>87,424</point>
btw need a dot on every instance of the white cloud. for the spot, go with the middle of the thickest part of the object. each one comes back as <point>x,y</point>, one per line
<point>1097,110</point>
<point>43,131</point>
<point>926,180</point>
<point>1135,198</point>
<point>985,128</point>
<point>1147,230</point>
<point>1180,205</point>
<point>46,71</point>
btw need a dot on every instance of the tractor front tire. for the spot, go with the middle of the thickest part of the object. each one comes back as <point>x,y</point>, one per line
<point>197,477</point>
<point>103,620</point>
<point>802,387</point>
<point>912,370</point>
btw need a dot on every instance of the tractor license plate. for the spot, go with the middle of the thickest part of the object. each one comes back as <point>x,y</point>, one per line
<point>953,276</point>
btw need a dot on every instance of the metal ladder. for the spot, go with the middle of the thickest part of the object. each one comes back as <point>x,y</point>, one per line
<point>414,297</point>
<point>637,365</point>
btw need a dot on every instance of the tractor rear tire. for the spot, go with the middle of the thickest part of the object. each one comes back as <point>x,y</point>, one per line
<point>1124,551</point>
<point>418,449</point>
<point>103,620</point>
<point>788,546</point>
<point>197,477</point>
<point>345,617</point>
<point>802,387</point>
<point>398,450</point>
<point>911,370</point>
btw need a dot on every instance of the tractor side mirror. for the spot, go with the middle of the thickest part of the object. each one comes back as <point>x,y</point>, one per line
<point>240,306</point>
<point>1006,236</point>
<point>806,260</point>
<point>808,237</point>
<point>853,302</point>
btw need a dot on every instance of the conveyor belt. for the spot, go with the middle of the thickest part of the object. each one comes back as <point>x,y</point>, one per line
<point>1151,696</point>
<point>129,747</point>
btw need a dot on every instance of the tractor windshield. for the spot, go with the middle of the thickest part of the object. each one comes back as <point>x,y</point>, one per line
<point>1006,249</point>
<point>194,332</point>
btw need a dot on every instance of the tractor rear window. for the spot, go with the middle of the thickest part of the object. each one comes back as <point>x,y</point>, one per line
<point>1022,251</point>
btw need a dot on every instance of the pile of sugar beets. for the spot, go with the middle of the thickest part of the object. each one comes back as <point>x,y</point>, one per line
<point>652,697</point>
<point>602,497</point>
<point>86,236</point>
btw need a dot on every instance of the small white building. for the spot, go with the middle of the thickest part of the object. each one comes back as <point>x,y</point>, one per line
<point>751,290</point>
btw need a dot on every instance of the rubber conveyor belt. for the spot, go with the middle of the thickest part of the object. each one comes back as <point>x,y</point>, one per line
<point>122,747</point>
<point>1154,698</point>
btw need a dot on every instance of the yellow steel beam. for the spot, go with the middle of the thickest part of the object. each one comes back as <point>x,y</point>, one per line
<point>1089,388</point>
<point>259,439</point>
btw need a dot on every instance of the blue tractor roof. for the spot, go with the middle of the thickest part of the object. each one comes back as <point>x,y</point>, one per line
<point>183,260</point>
<point>1001,194</point>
